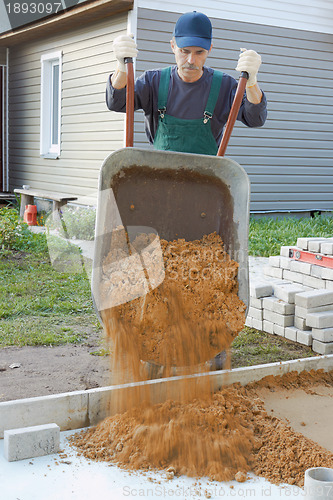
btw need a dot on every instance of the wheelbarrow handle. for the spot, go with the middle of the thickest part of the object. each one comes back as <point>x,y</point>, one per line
<point>233,113</point>
<point>129,102</point>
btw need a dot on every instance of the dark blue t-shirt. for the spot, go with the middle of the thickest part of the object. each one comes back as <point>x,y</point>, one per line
<point>186,101</point>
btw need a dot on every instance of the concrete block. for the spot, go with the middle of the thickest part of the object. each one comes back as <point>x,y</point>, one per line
<point>268,326</point>
<point>255,313</point>
<point>301,312</point>
<point>287,292</point>
<point>322,347</point>
<point>248,321</point>
<point>313,282</point>
<point>328,285</point>
<point>29,442</point>
<point>281,307</point>
<point>300,267</point>
<point>260,289</point>
<point>323,334</point>
<point>327,273</point>
<point>257,324</point>
<point>267,302</point>
<point>326,247</point>
<point>304,337</point>
<point>300,323</point>
<point>316,271</point>
<point>274,272</point>
<point>290,333</point>
<point>293,276</point>
<point>314,298</point>
<point>285,251</point>
<point>322,319</point>
<point>256,302</point>
<point>278,319</point>
<point>314,245</point>
<point>304,243</point>
<point>285,262</point>
<point>274,260</point>
<point>279,330</point>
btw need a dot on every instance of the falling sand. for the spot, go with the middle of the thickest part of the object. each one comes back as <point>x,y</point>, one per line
<point>192,316</point>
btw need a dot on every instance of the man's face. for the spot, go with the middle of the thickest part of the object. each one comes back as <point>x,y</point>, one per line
<point>190,61</point>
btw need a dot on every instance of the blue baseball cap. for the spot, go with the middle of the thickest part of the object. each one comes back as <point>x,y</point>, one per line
<point>193,29</point>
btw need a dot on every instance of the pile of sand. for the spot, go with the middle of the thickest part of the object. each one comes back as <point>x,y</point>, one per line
<point>217,436</point>
<point>194,314</point>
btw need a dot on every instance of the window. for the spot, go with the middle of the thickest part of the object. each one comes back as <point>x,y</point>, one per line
<point>50,105</point>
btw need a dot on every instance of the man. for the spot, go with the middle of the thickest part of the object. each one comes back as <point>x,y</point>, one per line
<point>187,106</point>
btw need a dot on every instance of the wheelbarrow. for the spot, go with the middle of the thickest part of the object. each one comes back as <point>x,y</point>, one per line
<point>172,195</point>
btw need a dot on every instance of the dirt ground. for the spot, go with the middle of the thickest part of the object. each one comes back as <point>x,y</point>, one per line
<point>42,371</point>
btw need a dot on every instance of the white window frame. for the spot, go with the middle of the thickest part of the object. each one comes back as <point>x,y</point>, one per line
<point>49,149</point>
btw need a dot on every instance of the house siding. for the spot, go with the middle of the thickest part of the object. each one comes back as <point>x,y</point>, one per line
<point>89,132</point>
<point>308,15</point>
<point>290,159</point>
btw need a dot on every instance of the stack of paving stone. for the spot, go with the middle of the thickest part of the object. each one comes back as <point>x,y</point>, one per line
<point>295,300</point>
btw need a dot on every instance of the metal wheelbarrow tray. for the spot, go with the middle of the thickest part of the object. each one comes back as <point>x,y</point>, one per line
<point>175,195</point>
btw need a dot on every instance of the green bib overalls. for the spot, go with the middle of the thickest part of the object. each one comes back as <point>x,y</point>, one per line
<point>186,136</point>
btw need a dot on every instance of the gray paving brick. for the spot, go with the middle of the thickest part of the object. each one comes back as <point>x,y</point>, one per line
<point>248,321</point>
<point>278,319</point>
<point>285,262</point>
<point>320,319</point>
<point>29,442</point>
<point>274,260</point>
<point>303,243</point>
<point>267,302</point>
<point>257,324</point>
<point>327,248</point>
<point>284,251</point>
<point>314,245</point>
<point>290,333</point>
<point>323,334</point>
<point>279,330</point>
<point>300,323</point>
<point>274,272</point>
<point>255,313</point>
<point>287,292</point>
<point>304,337</point>
<point>303,311</point>
<point>293,276</point>
<point>327,273</point>
<point>314,298</point>
<point>300,267</point>
<point>316,271</point>
<point>322,347</point>
<point>256,302</point>
<point>313,282</point>
<point>268,326</point>
<point>281,307</point>
<point>260,289</point>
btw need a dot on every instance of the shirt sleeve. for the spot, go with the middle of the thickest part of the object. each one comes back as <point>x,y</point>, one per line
<point>254,115</point>
<point>145,98</point>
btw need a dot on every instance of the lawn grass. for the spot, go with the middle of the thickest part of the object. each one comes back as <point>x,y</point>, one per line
<point>41,305</point>
<point>254,347</point>
<point>267,235</point>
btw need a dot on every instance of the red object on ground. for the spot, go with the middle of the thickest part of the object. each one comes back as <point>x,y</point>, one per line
<point>30,215</point>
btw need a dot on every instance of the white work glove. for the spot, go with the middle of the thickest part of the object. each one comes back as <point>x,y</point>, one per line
<point>124,46</point>
<point>249,61</point>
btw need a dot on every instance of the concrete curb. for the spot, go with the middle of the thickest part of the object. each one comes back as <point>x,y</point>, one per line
<point>75,410</point>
